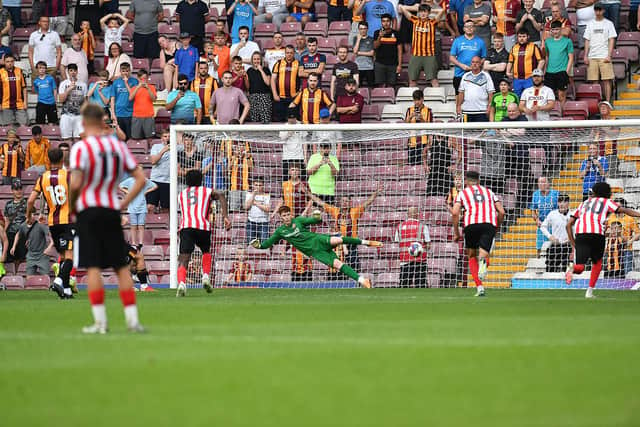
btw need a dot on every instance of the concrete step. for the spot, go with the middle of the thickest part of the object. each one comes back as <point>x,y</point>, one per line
<point>627,114</point>
<point>516,252</point>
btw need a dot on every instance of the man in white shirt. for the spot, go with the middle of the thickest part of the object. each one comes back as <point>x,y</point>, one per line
<point>45,45</point>
<point>245,47</point>
<point>271,56</point>
<point>559,250</point>
<point>75,55</point>
<point>294,148</point>
<point>475,91</point>
<point>599,41</point>
<point>538,100</point>
<point>72,93</point>
<point>274,11</point>
<point>258,205</point>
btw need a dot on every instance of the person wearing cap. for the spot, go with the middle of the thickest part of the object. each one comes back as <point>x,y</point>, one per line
<point>599,42</point>
<point>538,100</point>
<point>343,70</point>
<point>192,16</point>
<point>186,58</point>
<point>15,213</point>
<point>496,61</point>
<point>554,228</point>
<point>559,60</point>
<point>349,106</point>
<point>475,91</point>
<point>607,138</point>
<point>322,169</point>
<point>311,100</point>
<point>501,100</point>
<point>524,57</point>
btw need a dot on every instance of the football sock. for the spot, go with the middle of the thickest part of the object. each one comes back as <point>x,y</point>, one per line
<point>128,298</point>
<point>182,274</point>
<point>473,267</point>
<point>578,268</point>
<point>97,306</point>
<point>143,276</point>
<point>353,241</point>
<point>65,272</point>
<point>206,263</point>
<point>596,268</point>
<point>350,272</point>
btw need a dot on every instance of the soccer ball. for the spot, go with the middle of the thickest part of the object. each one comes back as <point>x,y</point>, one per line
<point>415,249</point>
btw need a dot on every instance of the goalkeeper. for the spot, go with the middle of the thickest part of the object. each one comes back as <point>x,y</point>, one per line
<point>315,245</point>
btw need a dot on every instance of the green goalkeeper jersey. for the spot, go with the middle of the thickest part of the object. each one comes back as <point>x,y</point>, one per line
<point>299,236</point>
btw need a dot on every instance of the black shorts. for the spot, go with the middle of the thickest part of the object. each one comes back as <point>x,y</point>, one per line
<point>159,196</point>
<point>415,154</point>
<point>146,45</point>
<point>589,246</point>
<point>192,237</point>
<point>62,236</point>
<point>557,81</point>
<point>479,236</point>
<point>99,240</point>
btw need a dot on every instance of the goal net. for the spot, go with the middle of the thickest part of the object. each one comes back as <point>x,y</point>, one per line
<point>377,181</point>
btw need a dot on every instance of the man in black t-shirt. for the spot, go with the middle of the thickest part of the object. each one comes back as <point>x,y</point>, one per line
<point>192,16</point>
<point>388,49</point>
<point>496,61</point>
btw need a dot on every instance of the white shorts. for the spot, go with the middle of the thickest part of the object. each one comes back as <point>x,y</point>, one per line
<point>70,126</point>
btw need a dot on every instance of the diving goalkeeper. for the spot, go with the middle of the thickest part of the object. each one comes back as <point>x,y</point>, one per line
<point>315,245</point>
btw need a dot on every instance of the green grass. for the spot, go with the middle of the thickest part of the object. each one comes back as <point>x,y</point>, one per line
<point>434,357</point>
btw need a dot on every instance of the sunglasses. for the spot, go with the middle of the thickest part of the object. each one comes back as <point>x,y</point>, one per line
<point>42,37</point>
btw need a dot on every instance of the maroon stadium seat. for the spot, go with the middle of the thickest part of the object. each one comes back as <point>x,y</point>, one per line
<point>139,64</point>
<point>387,280</point>
<point>364,91</point>
<point>157,221</point>
<point>21,34</point>
<point>160,237</point>
<point>372,112</point>
<point>537,155</point>
<point>630,39</point>
<point>153,253</point>
<point>155,65</point>
<point>157,79</point>
<point>12,282</point>
<point>290,28</point>
<point>327,45</point>
<point>441,265</point>
<point>265,30</point>
<point>318,29</point>
<point>209,29</point>
<point>37,282</point>
<point>24,133</point>
<point>127,34</point>
<point>620,59</point>
<point>321,9</point>
<point>138,146</point>
<point>171,31</point>
<point>383,95</point>
<point>339,28</point>
<point>280,278</point>
<point>579,110</point>
<point>445,250</point>
<point>127,47</point>
<point>29,177</point>
<point>158,267</point>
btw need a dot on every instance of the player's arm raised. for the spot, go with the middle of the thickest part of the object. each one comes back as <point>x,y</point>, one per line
<point>373,195</point>
<point>223,206</point>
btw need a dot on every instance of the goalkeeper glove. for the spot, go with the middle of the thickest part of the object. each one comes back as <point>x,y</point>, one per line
<point>316,214</point>
<point>255,243</point>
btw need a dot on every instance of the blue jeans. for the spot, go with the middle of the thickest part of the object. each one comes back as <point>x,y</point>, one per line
<point>612,13</point>
<point>257,230</point>
<point>627,261</point>
<point>519,85</point>
<point>16,17</point>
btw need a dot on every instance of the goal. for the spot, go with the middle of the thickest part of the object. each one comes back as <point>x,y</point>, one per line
<point>372,178</point>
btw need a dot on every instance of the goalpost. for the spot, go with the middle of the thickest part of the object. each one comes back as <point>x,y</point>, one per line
<point>380,178</point>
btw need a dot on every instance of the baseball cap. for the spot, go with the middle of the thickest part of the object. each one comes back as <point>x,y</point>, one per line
<point>607,103</point>
<point>598,6</point>
<point>350,81</point>
<point>506,80</point>
<point>16,184</point>
<point>184,35</point>
<point>538,72</point>
<point>324,113</point>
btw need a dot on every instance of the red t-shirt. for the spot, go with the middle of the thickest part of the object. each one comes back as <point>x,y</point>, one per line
<point>347,101</point>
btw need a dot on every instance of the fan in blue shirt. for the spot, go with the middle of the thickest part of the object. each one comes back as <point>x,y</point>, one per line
<point>465,47</point>
<point>120,94</point>
<point>186,58</point>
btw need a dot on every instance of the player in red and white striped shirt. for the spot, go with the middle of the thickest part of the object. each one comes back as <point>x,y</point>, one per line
<point>98,163</point>
<point>482,218</point>
<point>590,223</point>
<point>196,204</point>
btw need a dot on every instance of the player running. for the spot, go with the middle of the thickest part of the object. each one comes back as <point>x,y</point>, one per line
<point>315,245</point>
<point>54,186</point>
<point>197,204</point>
<point>98,163</point>
<point>589,241</point>
<point>483,214</point>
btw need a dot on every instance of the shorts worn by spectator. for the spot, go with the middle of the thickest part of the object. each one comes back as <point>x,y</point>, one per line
<point>303,13</point>
<point>158,199</point>
<point>413,270</point>
<point>258,205</point>
<point>143,94</point>
<point>600,37</point>
<point>13,104</point>
<point>45,45</point>
<point>145,14</point>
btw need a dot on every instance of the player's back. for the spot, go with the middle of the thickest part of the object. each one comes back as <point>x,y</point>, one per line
<point>194,205</point>
<point>54,186</point>
<point>479,203</point>
<point>591,215</point>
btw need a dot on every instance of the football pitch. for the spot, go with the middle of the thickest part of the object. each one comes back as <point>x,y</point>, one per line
<point>381,357</point>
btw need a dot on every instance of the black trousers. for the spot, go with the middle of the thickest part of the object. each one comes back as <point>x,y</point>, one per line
<point>46,113</point>
<point>558,257</point>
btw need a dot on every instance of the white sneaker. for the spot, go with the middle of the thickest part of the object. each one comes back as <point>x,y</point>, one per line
<point>479,293</point>
<point>589,294</point>
<point>482,270</point>
<point>182,290</point>
<point>138,329</point>
<point>206,283</point>
<point>95,329</point>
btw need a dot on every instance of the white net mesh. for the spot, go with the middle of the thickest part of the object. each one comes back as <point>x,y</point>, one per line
<point>382,172</point>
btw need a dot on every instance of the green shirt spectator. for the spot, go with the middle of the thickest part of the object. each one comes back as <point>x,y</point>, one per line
<point>322,170</point>
<point>501,100</point>
<point>558,51</point>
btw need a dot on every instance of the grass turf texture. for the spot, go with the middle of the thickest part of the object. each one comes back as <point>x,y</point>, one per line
<point>435,357</point>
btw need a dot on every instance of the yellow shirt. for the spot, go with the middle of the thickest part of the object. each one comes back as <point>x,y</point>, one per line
<point>629,226</point>
<point>37,154</point>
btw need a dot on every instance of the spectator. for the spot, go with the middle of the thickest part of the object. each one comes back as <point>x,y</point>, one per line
<point>322,170</point>
<point>419,113</point>
<point>145,14</point>
<point>614,252</point>
<point>65,148</point>
<point>449,24</point>
<point>373,11</point>
<point>190,157</point>
<point>109,6</point>
<point>600,38</point>
<point>117,57</point>
<point>12,158</point>
<point>585,13</point>
<point>559,250</point>
<point>544,201</point>
<point>143,95</point>
<point>158,199</point>
<point>480,14</point>
<point>301,46</point>
<point>457,7</point>
<point>349,106</point>
<point>244,48</point>
<point>538,100</point>
<point>113,29</point>
<point>192,16</point>
<point>15,214</point>
<point>330,137</point>
<point>532,20</point>
<point>284,83</point>
<point>630,233</point>
<point>607,138</point>
<point>204,85</point>
<point>364,52</point>
<point>496,61</point>
<point>45,87</point>
<point>100,91</point>
<point>274,11</point>
<point>108,126</point>
<point>475,92</point>
<point>45,45</point>
<point>456,188</point>
<point>168,50</point>
<point>221,28</point>
<point>72,94</point>
<point>184,104</point>
<point>295,192</point>
<point>463,49</point>
<point>311,100</point>
<point>438,166</point>
<point>294,151</point>
<point>259,91</point>
<point>214,170</point>
<point>504,17</point>
<point>88,45</point>
<point>592,170</point>
<point>493,163</point>
<point>57,11</point>
<point>75,55</point>
<point>239,77</point>
<point>343,70</point>
<point>14,9</point>
<point>313,62</point>
<point>559,59</point>
<point>338,10</point>
<point>518,155</point>
<point>423,54</point>
<point>5,26</point>
<point>222,54</point>
<point>413,270</point>
<point>258,205</point>
<point>87,10</point>
<point>137,208</point>
<point>501,100</point>
<point>121,106</point>
<point>34,235</point>
<point>611,11</point>
<point>301,11</point>
<point>243,12</point>
<point>557,16</point>
<point>241,269</point>
<point>36,158</point>
<point>523,59</point>
<point>388,53</point>
<point>240,169</point>
<point>275,54</point>
<point>226,102</point>
<point>186,59</point>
